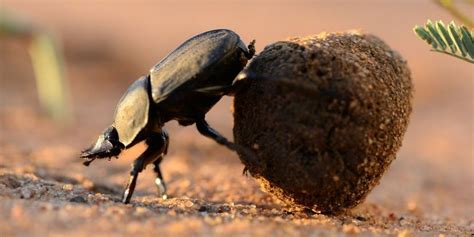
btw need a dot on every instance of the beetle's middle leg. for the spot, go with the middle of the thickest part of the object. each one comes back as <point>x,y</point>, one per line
<point>159,181</point>
<point>157,146</point>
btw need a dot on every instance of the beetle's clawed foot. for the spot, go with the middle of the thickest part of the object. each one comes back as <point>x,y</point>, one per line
<point>251,48</point>
<point>241,82</point>
<point>160,185</point>
<point>246,172</point>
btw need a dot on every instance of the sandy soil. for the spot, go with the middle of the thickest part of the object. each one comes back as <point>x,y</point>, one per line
<point>44,189</point>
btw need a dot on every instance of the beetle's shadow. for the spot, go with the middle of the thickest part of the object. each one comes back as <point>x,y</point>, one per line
<point>199,206</point>
<point>183,205</point>
<point>92,186</point>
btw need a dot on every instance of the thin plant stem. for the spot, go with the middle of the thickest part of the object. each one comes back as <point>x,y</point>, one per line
<point>454,55</point>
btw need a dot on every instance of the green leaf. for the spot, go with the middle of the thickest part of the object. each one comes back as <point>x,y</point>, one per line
<point>468,32</point>
<point>467,41</point>
<point>457,39</point>
<point>425,35</point>
<point>447,38</point>
<point>431,28</point>
<point>451,39</point>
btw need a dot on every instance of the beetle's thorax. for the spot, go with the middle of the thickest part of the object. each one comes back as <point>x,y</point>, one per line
<point>132,112</point>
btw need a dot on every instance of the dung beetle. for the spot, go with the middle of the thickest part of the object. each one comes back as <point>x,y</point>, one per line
<point>183,86</point>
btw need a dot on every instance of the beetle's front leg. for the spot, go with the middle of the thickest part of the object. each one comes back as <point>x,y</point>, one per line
<point>157,146</point>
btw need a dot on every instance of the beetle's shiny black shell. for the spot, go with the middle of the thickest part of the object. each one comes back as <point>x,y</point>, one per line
<point>186,83</point>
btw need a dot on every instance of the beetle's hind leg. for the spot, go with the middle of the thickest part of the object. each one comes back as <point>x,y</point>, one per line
<point>204,128</point>
<point>159,181</point>
<point>251,48</point>
<point>157,146</point>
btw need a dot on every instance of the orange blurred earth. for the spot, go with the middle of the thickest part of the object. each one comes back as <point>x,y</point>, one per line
<point>44,189</point>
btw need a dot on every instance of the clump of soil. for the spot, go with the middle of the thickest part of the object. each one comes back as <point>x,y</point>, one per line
<point>325,115</point>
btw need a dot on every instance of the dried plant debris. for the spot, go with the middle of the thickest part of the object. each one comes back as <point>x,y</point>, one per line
<point>325,114</point>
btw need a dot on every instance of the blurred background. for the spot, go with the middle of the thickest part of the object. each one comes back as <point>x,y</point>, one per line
<point>106,45</point>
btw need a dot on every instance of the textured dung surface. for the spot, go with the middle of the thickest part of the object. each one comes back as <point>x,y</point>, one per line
<point>326,115</point>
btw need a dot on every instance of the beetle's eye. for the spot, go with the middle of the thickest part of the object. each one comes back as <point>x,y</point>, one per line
<point>111,134</point>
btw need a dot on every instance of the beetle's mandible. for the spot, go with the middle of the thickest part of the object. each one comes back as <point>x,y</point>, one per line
<point>183,87</point>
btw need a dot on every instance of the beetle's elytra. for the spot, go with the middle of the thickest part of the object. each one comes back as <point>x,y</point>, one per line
<point>183,86</point>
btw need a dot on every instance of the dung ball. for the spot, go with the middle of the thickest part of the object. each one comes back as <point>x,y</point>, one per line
<point>325,116</point>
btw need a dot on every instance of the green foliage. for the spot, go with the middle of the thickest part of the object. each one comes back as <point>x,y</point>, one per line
<point>457,41</point>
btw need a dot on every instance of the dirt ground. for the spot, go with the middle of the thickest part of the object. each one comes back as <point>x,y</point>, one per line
<point>45,190</point>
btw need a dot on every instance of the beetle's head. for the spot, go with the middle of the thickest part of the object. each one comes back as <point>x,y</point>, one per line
<point>107,145</point>
<point>130,120</point>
